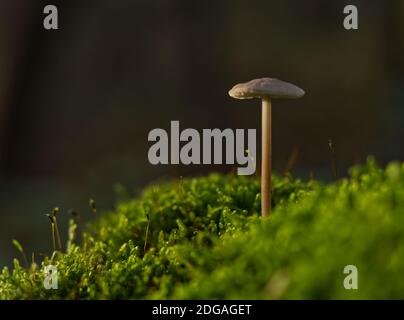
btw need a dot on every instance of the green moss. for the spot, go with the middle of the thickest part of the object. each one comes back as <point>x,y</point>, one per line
<point>205,239</point>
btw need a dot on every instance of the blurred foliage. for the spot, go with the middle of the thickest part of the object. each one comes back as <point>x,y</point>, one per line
<point>206,240</point>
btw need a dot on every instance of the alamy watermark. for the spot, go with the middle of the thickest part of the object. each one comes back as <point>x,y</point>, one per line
<point>351,280</point>
<point>51,277</point>
<point>50,22</point>
<point>190,147</point>
<point>351,21</point>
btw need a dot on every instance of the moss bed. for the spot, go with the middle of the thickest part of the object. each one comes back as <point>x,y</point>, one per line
<point>205,240</point>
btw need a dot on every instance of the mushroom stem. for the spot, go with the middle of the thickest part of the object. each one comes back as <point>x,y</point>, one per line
<point>266,158</point>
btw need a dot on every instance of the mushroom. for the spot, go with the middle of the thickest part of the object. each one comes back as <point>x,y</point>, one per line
<point>265,89</point>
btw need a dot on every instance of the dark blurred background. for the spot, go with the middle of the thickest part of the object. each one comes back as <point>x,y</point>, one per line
<point>76,104</point>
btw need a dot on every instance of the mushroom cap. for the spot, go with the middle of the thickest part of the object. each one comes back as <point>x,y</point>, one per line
<point>266,87</point>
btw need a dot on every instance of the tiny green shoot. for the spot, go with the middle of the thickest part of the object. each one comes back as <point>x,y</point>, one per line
<point>92,205</point>
<point>19,247</point>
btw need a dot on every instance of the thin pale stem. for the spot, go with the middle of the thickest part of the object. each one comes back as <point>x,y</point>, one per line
<point>266,158</point>
<point>147,234</point>
<point>58,235</point>
<point>53,237</point>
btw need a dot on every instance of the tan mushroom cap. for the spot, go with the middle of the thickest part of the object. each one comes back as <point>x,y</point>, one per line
<point>266,87</point>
